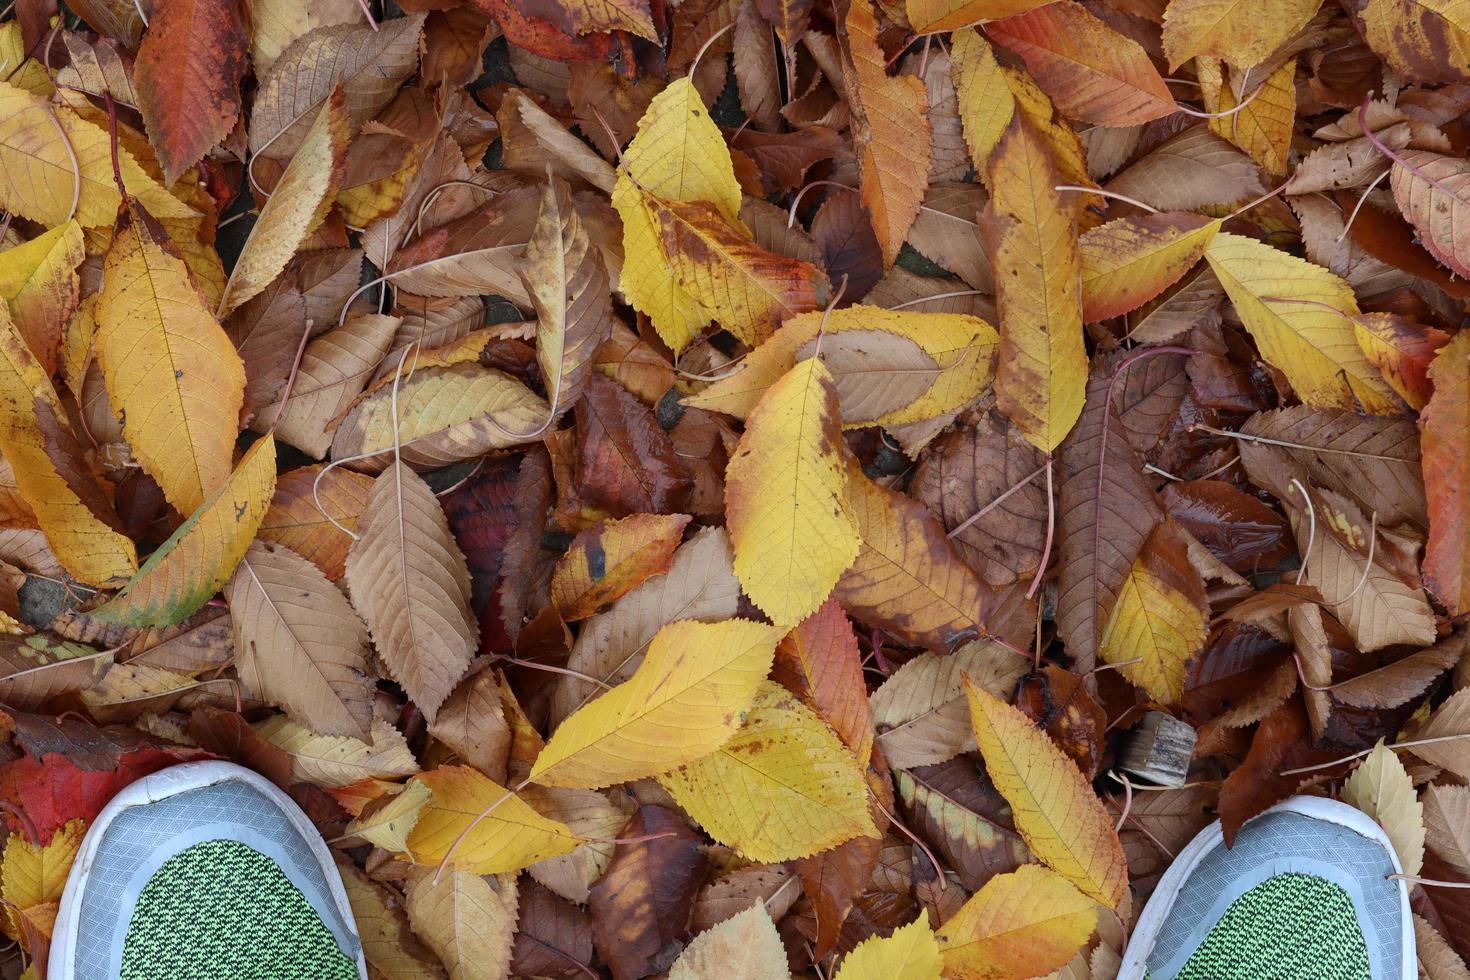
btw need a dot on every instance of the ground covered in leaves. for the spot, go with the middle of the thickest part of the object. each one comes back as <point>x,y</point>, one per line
<point>713,489</point>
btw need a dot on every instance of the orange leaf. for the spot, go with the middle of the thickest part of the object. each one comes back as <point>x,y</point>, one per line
<point>1446,444</point>
<point>611,558</point>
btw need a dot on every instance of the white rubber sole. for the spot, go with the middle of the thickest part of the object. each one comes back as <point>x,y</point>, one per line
<point>159,786</point>
<point>1146,930</point>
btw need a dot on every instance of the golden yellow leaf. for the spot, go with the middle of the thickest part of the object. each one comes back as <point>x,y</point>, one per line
<point>786,502</point>
<point>984,98</point>
<point>1025,923</point>
<point>391,949</point>
<point>389,825</point>
<point>783,787</point>
<point>1033,105</point>
<point>21,71</point>
<point>962,346</point>
<point>32,878</point>
<point>745,946</point>
<point>1381,788</point>
<point>49,472</point>
<point>910,953</point>
<point>39,282</point>
<point>1238,31</point>
<point>38,180</point>
<point>171,371</point>
<point>1262,128</point>
<point>1032,230</point>
<point>937,16</point>
<point>198,558</point>
<point>1055,809</point>
<point>676,707</point>
<point>1129,261</point>
<point>677,155</point>
<point>1298,314</point>
<point>297,205</point>
<point>511,836</point>
<point>748,289</point>
<point>890,128</point>
<point>333,761</point>
<point>1159,617</point>
<point>469,920</point>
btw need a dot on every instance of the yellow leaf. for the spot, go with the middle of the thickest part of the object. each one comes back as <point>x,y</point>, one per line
<point>392,951</point>
<point>783,787</point>
<point>21,71</point>
<point>508,837</point>
<point>49,471</point>
<point>938,16</point>
<point>748,289</point>
<point>1263,128</point>
<point>1129,261</point>
<point>389,825</point>
<point>1381,788</point>
<point>334,761</point>
<point>297,206</point>
<point>1238,31</point>
<point>677,155</point>
<point>676,707</point>
<point>890,130</point>
<point>201,555</point>
<point>1298,313</point>
<point>469,920</point>
<point>743,947</point>
<point>910,953</point>
<point>1042,372</point>
<point>39,281</point>
<point>1159,617</point>
<point>32,878</point>
<point>963,346</point>
<point>171,372</point>
<point>983,97</point>
<point>1056,811</point>
<point>786,503</point>
<point>38,180</point>
<point>1025,923</point>
<point>1033,105</point>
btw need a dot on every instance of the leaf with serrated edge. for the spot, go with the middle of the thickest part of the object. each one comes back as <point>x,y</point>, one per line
<point>409,581</point>
<point>1056,811</point>
<point>1129,261</point>
<point>612,558</point>
<point>198,559</point>
<point>171,372</point>
<point>782,787</point>
<point>1241,33</point>
<point>334,761</point>
<point>1447,825</point>
<point>509,837</point>
<point>1437,958</point>
<point>984,99</point>
<point>298,643</point>
<point>743,947</point>
<point>910,953</point>
<point>294,520</point>
<point>467,919</point>
<point>786,499</point>
<point>389,825</point>
<point>1382,789</point>
<point>622,735</point>
<point>1022,924</point>
<point>876,373</point>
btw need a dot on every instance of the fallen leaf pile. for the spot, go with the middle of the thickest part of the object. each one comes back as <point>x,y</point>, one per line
<point>710,489</point>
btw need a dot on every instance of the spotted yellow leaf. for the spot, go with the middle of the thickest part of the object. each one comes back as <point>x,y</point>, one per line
<point>683,702</point>
<point>1299,315</point>
<point>783,787</point>
<point>199,558</point>
<point>170,369</point>
<point>790,521</point>
<point>510,835</point>
<point>678,155</point>
<point>1129,261</point>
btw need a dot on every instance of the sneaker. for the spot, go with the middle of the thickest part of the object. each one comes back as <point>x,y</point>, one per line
<point>204,871</point>
<point>1303,895</point>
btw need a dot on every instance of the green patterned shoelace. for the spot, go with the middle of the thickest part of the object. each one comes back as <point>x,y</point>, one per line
<point>1289,927</point>
<point>223,910</point>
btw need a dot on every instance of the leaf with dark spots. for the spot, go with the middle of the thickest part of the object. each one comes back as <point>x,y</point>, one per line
<point>1059,703</point>
<point>642,903</point>
<point>626,463</point>
<point>1237,528</point>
